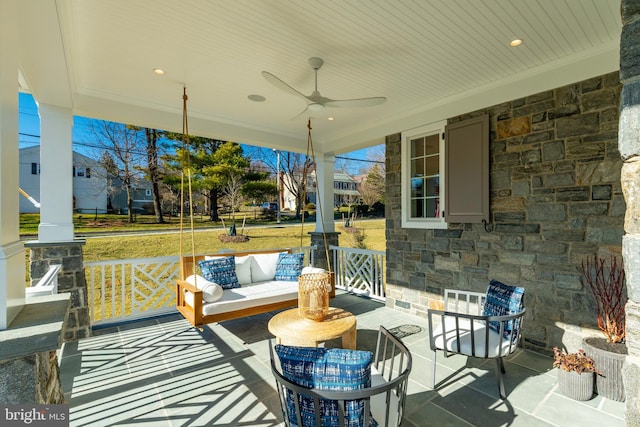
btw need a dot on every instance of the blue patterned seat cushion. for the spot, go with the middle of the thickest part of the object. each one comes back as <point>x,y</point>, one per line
<point>221,270</point>
<point>289,266</point>
<point>326,369</point>
<point>503,300</point>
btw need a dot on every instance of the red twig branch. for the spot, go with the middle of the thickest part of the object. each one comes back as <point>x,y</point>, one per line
<point>607,286</point>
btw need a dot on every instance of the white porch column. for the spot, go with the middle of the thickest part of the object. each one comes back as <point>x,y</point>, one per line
<point>11,249</point>
<point>56,177</point>
<point>324,192</point>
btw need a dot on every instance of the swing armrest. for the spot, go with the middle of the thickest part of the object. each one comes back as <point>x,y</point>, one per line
<point>192,313</point>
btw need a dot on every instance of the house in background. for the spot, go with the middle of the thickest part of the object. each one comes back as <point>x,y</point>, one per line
<point>89,182</point>
<point>345,191</point>
<point>141,193</point>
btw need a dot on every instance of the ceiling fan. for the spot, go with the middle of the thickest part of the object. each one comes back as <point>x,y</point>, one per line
<point>316,101</point>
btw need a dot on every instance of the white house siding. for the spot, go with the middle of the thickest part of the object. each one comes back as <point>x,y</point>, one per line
<point>89,193</point>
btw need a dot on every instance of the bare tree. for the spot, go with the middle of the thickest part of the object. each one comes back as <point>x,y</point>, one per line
<point>123,146</point>
<point>152,136</point>
<point>294,168</point>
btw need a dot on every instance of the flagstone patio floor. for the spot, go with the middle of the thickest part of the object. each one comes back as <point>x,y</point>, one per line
<point>163,372</point>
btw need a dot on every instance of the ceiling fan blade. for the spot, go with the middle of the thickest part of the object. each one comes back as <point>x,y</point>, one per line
<point>358,102</point>
<point>302,113</point>
<point>312,110</point>
<point>281,85</point>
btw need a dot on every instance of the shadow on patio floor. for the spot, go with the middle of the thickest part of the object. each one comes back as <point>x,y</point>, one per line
<point>163,372</point>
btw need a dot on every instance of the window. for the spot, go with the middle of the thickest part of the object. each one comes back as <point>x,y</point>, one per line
<point>147,192</point>
<point>35,168</point>
<point>423,167</point>
<point>81,172</point>
<point>446,181</point>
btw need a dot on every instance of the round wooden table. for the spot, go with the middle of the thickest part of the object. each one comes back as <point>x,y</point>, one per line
<point>290,328</point>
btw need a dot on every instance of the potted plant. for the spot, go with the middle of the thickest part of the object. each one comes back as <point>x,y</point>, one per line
<point>575,373</point>
<point>607,284</point>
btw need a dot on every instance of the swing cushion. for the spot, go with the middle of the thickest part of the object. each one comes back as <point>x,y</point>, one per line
<point>263,266</point>
<point>243,269</point>
<point>221,270</point>
<point>211,292</point>
<point>289,266</point>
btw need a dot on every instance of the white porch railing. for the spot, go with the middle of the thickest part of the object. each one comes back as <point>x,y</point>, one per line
<point>360,271</point>
<point>47,285</point>
<point>123,290</point>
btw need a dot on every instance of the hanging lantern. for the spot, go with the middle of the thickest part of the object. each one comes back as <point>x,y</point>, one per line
<point>313,295</point>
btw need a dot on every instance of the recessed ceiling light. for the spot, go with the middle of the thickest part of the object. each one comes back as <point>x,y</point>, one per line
<point>159,71</point>
<point>515,42</point>
<point>256,98</point>
<point>330,119</point>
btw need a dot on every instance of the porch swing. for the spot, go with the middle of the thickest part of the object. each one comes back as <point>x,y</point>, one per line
<point>249,283</point>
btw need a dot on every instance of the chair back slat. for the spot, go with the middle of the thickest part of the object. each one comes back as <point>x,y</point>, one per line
<point>464,325</point>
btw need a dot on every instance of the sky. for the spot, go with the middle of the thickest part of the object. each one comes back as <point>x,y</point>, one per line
<point>83,141</point>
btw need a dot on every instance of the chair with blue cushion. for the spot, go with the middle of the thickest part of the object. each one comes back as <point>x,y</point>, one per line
<point>321,387</point>
<point>478,325</point>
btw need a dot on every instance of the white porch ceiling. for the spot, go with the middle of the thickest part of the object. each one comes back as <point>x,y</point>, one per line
<point>430,58</point>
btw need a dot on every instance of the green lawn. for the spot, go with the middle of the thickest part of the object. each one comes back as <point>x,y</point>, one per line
<point>100,246</point>
<point>155,245</point>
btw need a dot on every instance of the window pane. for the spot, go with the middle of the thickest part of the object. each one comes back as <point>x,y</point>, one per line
<point>417,187</point>
<point>417,167</point>
<point>432,186</point>
<point>417,147</point>
<point>433,165</point>
<point>432,144</point>
<point>432,208</point>
<point>417,208</point>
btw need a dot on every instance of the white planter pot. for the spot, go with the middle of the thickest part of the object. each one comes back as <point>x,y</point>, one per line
<point>576,386</point>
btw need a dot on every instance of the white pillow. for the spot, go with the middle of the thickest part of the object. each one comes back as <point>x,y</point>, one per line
<point>263,266</point>
<point>243,269</point>
<point>311,270</point>
<point>211,292</point>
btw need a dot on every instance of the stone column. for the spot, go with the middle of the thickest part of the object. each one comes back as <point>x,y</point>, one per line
<point>28,356</point>
<point>629,147</point>
<point>71,279</point>
<point>11,248</point>
<point>320,254</point>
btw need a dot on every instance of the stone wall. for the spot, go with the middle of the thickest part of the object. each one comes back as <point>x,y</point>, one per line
<point>629,146</point>
<point>71,279</point>
<point>555,200</point>
<point>31,379</point>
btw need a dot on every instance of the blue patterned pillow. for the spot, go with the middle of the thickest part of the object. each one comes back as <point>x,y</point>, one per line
<point>326,369</point>
<point>503,300</point>
<point>221,270</point>
<point>289,266</point>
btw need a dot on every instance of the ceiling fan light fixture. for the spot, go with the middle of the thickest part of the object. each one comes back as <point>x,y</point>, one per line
<point>315,107</point>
